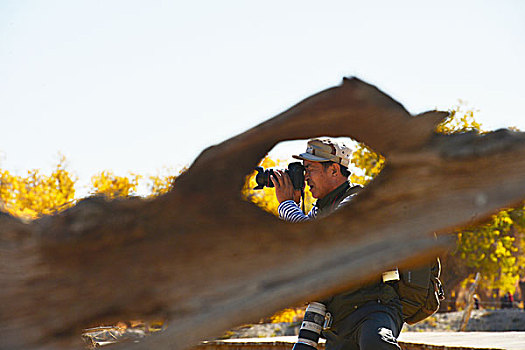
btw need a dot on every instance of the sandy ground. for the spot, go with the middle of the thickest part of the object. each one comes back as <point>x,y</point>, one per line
<point>480,321</point>
<point>431,340</point>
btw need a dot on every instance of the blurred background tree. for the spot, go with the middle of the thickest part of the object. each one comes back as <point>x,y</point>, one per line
<point>161,184</point>
<point>112,186</point>
<point>494,248</point>
<point>36,194</point>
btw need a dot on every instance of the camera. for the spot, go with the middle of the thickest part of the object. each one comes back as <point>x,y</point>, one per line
<point>295,171</point>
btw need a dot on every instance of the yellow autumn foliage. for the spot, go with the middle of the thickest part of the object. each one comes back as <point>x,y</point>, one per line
<point>368,162</point>
<point>288,315</point>
<point>113,186</point>
<point>36,194</point>
<point>162,183</point>
<point>461,119</point>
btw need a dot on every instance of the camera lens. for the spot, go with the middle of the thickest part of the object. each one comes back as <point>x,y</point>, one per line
<point>311,327</point>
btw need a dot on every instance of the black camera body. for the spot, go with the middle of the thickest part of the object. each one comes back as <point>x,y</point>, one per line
<point>295,171</point>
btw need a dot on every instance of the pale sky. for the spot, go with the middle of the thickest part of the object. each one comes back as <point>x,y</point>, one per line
<point>135,86</point>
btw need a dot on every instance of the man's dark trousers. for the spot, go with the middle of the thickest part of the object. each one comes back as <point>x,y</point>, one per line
<point>373,326</point>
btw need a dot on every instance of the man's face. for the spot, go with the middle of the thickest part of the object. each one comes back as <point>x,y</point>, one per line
<point>318,178</point>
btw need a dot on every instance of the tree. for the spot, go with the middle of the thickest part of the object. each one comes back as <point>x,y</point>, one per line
<point>494,248</point>
<point>37,194</point>
<point>209,260</point>
<point>162,183</point>
<point>112,186</point>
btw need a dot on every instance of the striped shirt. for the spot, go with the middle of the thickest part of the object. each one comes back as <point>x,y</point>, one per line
<point>289,210</point>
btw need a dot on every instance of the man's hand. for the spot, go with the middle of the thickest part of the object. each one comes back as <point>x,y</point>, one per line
<point>284,188</point>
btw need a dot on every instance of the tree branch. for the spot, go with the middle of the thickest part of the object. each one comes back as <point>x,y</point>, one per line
<point>207,260</point>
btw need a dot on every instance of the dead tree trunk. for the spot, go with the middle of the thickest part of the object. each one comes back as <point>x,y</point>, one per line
<point>207,260</point>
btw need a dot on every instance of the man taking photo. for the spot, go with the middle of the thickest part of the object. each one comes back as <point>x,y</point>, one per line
<point>368,317</point>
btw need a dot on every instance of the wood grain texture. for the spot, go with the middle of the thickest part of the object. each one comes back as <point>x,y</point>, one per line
<point>207,260</point>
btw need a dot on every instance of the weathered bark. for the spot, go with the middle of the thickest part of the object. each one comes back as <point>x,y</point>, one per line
<point>207,260</point>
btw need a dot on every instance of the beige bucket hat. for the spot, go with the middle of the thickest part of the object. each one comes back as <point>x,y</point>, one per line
<point>325,150</point>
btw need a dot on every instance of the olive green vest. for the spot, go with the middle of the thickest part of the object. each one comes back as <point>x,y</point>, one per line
<point>329,203</point>
<point>343,304</point>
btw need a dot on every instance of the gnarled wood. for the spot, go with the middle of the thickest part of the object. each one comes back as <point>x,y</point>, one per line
<point>207,260</point>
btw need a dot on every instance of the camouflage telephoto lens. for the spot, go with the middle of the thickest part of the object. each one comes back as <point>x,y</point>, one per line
<point>311,327</point>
